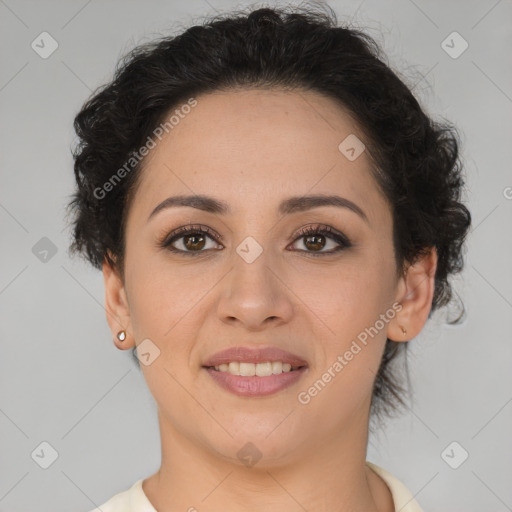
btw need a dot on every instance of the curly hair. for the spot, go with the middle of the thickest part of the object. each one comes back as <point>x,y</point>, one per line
<point>415,160</point>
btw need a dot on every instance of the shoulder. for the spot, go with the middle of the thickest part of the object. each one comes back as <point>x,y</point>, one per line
<point>134,499</point>
<point>130,500</point>
<point>119,502</point>
<point>403,500</point>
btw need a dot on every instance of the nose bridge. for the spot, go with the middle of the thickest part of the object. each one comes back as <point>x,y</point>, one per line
<point>253,272</point>
<point>254,254</point>
<point>254,291</point>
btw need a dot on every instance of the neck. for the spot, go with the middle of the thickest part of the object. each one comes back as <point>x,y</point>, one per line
<point>329,474</point>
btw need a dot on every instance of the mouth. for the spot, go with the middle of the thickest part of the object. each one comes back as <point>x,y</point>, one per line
<point>255,385</point>
<point>247,369</point>
<point>255,372</point>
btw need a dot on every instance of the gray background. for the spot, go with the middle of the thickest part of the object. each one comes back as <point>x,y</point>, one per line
<point>61,378</point>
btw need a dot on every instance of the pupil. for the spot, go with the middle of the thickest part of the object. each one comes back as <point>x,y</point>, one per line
<point>315,241</point>
<point>194,243</point>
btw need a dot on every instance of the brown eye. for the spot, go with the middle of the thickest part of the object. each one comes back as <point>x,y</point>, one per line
<point>315,242</point>
<point>190,240</point>
<point>315,239</point>
<point>194,241</point>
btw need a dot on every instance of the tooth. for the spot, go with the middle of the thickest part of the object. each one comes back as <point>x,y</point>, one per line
<point>277,367</point>
<point>247,369</point>
<point>259,369</point>
<point>234,368</point>
<point>264,369</point>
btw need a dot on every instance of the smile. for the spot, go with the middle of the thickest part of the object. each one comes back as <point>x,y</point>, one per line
<point>253,385</point>
<point>256,369</point>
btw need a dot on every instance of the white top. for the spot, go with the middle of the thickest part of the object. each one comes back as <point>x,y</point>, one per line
<point>135,500</point>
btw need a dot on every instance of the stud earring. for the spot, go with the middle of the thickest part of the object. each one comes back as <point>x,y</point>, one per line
<point>121,335</point>
<point>404,331</point>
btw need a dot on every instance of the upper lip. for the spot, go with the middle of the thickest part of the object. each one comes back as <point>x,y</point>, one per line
<point>254,355</point>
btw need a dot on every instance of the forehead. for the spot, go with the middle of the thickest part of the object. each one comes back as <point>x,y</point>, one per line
<point>259,145</point>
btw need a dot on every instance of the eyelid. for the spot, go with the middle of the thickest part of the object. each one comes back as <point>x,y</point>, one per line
<point>323,229</point>
<point>340,238</point>
<point>184,230</point>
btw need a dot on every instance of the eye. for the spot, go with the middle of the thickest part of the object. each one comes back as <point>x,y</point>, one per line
<point>316,238</point>
<point>191,238</point>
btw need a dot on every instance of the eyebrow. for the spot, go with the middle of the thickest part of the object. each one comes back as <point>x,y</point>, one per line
<point>287,206</point>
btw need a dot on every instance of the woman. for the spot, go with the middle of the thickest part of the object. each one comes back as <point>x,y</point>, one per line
<point>275,217</point>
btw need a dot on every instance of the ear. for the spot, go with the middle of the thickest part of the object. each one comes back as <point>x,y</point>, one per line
<point>415,291</point>
<point>116,306</point>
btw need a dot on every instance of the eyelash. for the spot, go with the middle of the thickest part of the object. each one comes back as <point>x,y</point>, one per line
<point>310,230</point>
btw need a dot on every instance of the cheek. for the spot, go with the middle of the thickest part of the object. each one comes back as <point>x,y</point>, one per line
<point>162,308</point>
<point>166,304</point>
<point>162,295</point>
<point>351,338</point>
<point>345,298</point>
<point>347,304</point>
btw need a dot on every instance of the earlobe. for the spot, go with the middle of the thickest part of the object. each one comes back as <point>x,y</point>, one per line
<point>117,308</point>
<point>415,292</point>
<point>397,331</point>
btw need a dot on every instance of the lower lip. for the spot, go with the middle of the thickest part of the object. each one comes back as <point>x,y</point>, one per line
<point>255,386</point>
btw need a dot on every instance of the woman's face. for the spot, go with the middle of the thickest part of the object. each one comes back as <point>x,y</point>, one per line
<point>261,284</point>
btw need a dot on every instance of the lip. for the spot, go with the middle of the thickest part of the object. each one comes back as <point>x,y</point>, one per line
<point>254,355</point>
<point>255,386</point>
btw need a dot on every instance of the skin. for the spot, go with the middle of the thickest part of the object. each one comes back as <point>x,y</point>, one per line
<point>253,148</point>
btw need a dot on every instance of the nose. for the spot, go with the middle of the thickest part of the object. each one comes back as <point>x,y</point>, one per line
<point>255,294</point>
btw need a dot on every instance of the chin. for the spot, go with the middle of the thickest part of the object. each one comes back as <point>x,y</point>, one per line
<point>260,440</point>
